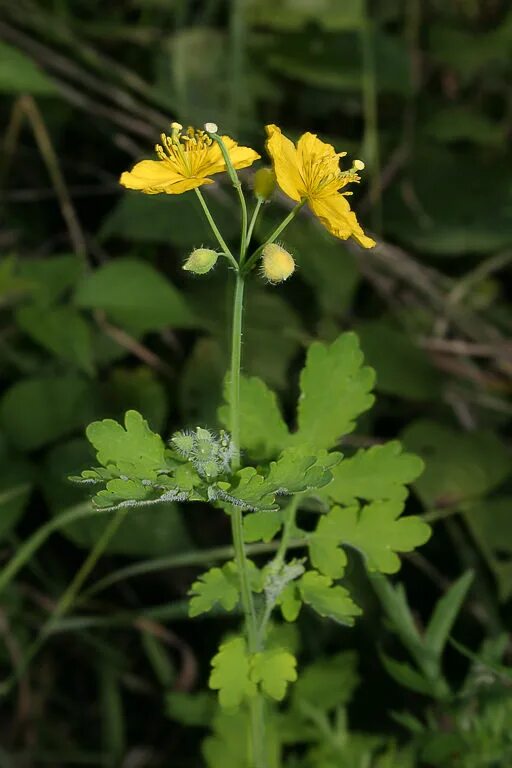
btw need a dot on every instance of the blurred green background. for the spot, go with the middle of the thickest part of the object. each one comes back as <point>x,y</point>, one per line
<point>97,317</point>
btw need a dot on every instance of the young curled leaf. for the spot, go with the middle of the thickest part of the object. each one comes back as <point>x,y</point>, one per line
<point>333,602</point>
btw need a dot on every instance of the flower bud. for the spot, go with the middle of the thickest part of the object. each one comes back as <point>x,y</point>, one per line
<point>277,263</point>
<point>264,183</point>
<point>201,261</point>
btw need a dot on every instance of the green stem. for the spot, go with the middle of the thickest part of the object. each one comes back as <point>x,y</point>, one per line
<point>68,597</point>
<point>273,237</point>
<point>238,187</point>
<point>290,514</point>
<point>237,526</point>
<point>196,557</point>
<point>236,360</point>
<point>254,218</point>
<point>32,544</point>
<point>225,249</point>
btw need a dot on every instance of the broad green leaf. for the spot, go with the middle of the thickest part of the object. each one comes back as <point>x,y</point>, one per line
<point>231,673</point>
<point>333,602</point>
<point>135,451</point>
<point>401,367</point>
<point>376,530</point>
<point>335,389</point>
<point>135,295</point>
<point>263,432</point>
<point>445,614</point>
<point>262,526</point>
<point>459,466</point>
<point>36,411</point>
<point>328,682</point>
<point>20,74</point>
<point>61,330</point>
<point>137,389</point>
<point>296,470</point>
<point>218,585</point>
<point>51,278</point>
<point>273,670</point>
<point>373,474</point>
<point>176,219</point>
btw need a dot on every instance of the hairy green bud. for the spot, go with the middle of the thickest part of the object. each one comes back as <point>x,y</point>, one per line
<point>201,261</point>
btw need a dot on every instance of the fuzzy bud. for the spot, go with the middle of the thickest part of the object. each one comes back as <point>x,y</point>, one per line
<point>264,183</point>
<point>277,263</point>
<point>201,261</point>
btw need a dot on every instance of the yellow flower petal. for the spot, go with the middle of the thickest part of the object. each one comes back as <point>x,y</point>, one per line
<point>241,157</point>
<point>153,176</point>
<point>285,160</point>
<point>335,214</point>
<point>320,165</point>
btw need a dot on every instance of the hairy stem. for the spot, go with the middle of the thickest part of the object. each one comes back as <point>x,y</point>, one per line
<point>246,597</point>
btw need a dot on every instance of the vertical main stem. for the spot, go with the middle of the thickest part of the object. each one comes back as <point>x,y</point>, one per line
<point>236,361</point>
<point>251,624</point>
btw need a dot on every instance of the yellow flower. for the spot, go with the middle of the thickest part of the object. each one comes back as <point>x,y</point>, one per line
<point>311,171</point>
<point>186,160</point>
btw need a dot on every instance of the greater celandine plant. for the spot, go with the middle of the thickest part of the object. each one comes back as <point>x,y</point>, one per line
<point>256,470</point>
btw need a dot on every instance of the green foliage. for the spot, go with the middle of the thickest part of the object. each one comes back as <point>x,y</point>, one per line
<point>377,473</point>
<point>273,670</point>
<point>376,530</point>
<point>459,466</point>
<point>297,470</point>
<point>38,410</point>
<point>135,296</point>
<point>61,330</point>
<point>327,600</point>
<point>218,585</point>
<point>263,431</point>
<point>401,367</point>
<point>422,96</point>
<point>19,74</point>
<point>335,389</point>
<point>231,674</point>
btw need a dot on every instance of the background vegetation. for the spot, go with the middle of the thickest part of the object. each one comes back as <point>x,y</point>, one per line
<point>99,665</point>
